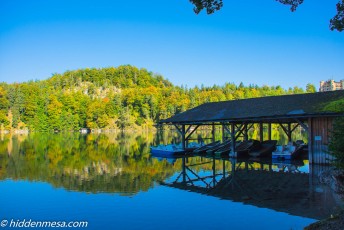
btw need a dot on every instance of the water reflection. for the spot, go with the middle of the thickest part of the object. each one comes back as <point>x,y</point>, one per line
<point>111,163</point>
<point>120,163</point>
<point>289,187</point>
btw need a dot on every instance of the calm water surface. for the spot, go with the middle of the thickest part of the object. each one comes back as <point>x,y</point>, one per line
<point>113,182</point>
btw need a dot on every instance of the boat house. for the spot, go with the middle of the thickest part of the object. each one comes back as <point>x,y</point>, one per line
<point>236,117</point>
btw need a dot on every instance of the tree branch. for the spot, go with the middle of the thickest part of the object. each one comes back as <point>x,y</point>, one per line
<point>337,22</point>
<point>210,5</point>
<point>294,3</point>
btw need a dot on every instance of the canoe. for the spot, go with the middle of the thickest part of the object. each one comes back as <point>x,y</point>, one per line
<point>166,150</point>
<point>226,149</point>
<point>192,146</point>
<point>217,147</point>
<point>244,147</point>
<point>204,148</point>
<point>266,149</point>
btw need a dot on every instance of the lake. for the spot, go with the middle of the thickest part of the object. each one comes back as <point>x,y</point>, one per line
<point>111,181</point>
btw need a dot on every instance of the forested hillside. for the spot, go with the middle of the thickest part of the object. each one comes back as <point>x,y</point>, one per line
<point>110,98</point>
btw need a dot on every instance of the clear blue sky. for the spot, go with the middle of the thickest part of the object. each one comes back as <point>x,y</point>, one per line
<point>252,41</point>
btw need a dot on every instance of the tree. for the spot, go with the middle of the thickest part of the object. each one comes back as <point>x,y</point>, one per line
<point>310,88</point>
<point>336,23</point>
<point>210,5</point>
<point>336,145</point>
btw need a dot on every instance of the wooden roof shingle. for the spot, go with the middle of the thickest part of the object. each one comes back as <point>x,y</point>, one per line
<point>272,107</point>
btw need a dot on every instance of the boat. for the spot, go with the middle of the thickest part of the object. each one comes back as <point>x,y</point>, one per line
<point>265,149</point>
<point>223,150</point>
<point>204,148</point>
<point>173,149</point>
<point>289,165</point>
<point>192,146</point>
<point>167,150</point>
<point>287,152</point>
<point>219,146</point>
<point>244,147</point>
<point>226,149</point>
<point>169,159</point>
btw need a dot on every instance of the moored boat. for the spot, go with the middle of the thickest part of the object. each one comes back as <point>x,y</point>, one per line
<point>218,147</point>
<point>244,147</point>
<point>265,150</point>
<point>226,149</point>
<point>167,150</point>
<point>287,152</point>
<point>204,148</point>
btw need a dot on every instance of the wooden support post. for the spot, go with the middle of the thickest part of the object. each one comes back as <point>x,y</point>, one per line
<point>224,168</point>
<point>184,171</point>
<point>261,136</point>
<point>233,139</point>
<point>223,132</point>
<point>214,173</point>
<point>269,131</point>
<point>289,132</point>
<point>213,132</point>
<point>245,132</point>
<point>310,140</point>
<point>183,137</point>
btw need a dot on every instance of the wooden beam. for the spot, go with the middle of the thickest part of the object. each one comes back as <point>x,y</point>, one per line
<point>233,139</point>
<point>310,140</point>
<point>284,129</point>
<point>293,129</point>
<point>187,138</point>
<point>250,127</point>
<point>240,130</point>
<point>178,129</point>
<point>227,129</point>
<point>213,132</point>
<point>188,129</point>
<point>303,125</point>
<point>245,132</point>
<point>289,132</point>
<point>269,131</point>
<point>223,132</point>
<point>183,137</point>
<point>261,132</point>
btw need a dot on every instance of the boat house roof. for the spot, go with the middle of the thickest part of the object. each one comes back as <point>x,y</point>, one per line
<point>272,108</point>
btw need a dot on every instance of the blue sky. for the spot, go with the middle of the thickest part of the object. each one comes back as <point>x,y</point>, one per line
<point>259,42</point>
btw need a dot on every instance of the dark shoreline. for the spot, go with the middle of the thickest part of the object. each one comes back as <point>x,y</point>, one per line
<point>335,222</point>
<point>334,178</point>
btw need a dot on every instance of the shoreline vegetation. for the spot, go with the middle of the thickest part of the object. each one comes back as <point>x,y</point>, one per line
<point>123,97</point>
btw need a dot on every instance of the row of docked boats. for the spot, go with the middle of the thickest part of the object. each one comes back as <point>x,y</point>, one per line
<point>252,148</point>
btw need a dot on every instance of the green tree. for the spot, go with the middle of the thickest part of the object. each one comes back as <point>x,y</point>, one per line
<point>336,23</point>
<point>336,145</point>
<point>310,88</point>
<point>111,97</point>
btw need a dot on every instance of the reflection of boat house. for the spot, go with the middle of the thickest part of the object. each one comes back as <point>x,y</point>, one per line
<point>289,111</point>
<point>261,184</point>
